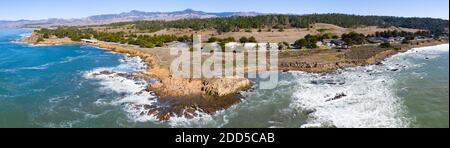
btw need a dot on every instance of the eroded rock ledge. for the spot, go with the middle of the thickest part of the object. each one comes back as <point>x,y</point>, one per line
<point>183,97</point>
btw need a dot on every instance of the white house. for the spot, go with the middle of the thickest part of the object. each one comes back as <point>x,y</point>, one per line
<point>89,41</point>
<point>211,47</point>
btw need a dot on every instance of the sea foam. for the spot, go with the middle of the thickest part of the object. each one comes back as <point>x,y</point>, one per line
<point>369,99</point>
<point>132,90</point>
<point>368,102</point>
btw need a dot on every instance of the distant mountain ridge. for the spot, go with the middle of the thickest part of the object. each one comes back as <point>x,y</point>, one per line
<point>133,15</point>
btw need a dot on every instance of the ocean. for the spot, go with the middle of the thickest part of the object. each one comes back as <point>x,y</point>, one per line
<point>60,86</point>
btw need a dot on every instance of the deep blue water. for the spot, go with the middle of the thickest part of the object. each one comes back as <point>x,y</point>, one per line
<point>43,86</point>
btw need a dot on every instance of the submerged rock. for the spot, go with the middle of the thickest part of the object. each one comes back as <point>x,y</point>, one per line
<point>337,97</point>
<point>105,72</point>
<point>379,63</point>
<point>394,69</point>
<point>309,111</point>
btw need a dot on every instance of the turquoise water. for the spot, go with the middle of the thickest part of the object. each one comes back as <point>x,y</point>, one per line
<point>56,86</point>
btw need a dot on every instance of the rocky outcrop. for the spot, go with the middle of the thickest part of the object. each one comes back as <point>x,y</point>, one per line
<point>33,39</point>
<point>337,97</point>
<point>380,56</point>
<point>225,86</point>
<point>183,97</point>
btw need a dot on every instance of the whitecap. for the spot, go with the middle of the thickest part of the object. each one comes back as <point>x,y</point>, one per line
<point>133,91</point>
<point>39,67</point>
<point>44,66</point>
<point>58,99</point>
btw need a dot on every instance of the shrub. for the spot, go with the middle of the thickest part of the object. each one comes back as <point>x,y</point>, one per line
<point>252,39</point>
<point>385,45</point>
<point>40,39</point>
<point>243,39</point>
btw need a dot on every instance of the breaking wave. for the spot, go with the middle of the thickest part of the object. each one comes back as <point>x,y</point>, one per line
<point>46,65</point>
<point>350,98</point>
<point>119,80</point>
<point>133,96</point>
<point>359,100</point>
<point>360,96</point>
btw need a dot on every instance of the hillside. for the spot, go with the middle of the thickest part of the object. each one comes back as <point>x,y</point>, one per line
<point>122,17</point>
<point>301,30</point>
<point>268,34</point>
<point>230,24</point>
<point>277,28</point>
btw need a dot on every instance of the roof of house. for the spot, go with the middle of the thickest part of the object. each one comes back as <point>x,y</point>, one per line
<point>89,40</point>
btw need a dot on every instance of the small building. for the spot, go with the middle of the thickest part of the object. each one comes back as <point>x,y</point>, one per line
<point>320,43</point>
<point>392,39</point>
<point>328,43</point>
<point>375,40</point>
<point>324,44</point>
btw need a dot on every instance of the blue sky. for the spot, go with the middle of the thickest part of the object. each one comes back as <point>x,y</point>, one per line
<point>41,9</point>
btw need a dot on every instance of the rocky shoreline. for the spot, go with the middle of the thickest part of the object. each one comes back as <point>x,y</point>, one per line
<point>182,97</point>
<point>177,97</point>
<point>361,56</point>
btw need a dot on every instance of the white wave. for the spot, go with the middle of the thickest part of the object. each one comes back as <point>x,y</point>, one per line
<point>70,59</point>
<point>64,124</point>
<point>102,102</point>
<point>117,83</point>
<point>58,99</point>
<point>39,67</point>
<point>134,94</point>
<point>88,115</point>
<point>441,48</point>
<point>132,90</point>
<point>37,45</point>
<point>429,52</point>
<point>199,119</point>
<point>415,58</point>
<point>370,99</point>
<point>202,119</point>
<point>128,65</point>
<point>25,35</point>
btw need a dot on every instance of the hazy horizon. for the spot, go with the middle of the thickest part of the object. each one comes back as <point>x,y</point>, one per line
<point>71,9</point>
